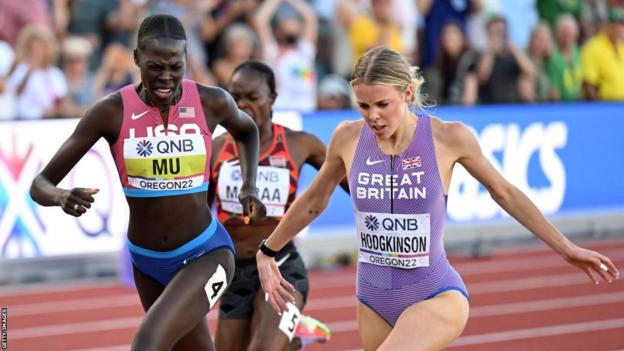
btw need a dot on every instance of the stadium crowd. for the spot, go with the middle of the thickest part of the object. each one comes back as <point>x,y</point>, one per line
<point>58,56</point>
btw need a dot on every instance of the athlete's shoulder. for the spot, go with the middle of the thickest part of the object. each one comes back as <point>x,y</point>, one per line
<point>348,129</point>
<point>214,97</point>
<point>298,136</point>
<point>451,133</point>
<point>107,107</point>
<point>308,146</point>
<point>211,91</point>
<point>104,117</point>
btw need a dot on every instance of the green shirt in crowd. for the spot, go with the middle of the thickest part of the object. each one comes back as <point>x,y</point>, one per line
<point>565,75</point>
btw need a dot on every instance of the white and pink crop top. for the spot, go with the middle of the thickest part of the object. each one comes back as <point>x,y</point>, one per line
<point>155,161</point>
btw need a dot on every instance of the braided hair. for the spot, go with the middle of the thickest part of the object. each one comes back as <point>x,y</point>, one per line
<point>259,68</point>
<point>160,26</point>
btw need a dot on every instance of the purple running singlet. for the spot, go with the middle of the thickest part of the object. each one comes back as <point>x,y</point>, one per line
<point>400,210</point>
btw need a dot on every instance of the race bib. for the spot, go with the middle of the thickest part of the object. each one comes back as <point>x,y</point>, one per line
<point>215,286</point>
<point>394,240</point>
<point>290,320</point>
<point>273,187</point>
<point>174,162</point>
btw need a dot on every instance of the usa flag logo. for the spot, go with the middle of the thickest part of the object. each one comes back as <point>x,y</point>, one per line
<point>411,162</point>
<point>187,112</point>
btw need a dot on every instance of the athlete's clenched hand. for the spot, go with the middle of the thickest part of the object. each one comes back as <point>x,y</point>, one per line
<point>76,201</point>
<point>253,209</point>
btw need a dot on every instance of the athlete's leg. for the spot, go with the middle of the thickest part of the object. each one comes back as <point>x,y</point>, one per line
<point>233,334</point>
<point>430,324</point>
<point>197,339</point>
<point>373,329</point>
<point>265,334</point>
<point>236,308</point>
<point>183,304</point>
<point>149,290</point>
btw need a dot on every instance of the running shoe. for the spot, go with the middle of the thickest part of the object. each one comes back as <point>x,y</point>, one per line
<point>310,331</point>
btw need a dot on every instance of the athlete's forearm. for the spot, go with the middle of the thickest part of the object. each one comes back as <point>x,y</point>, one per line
<point>248,146</point>
<point>302,212</point>
<point>44,192</point>
<point>520,207</point>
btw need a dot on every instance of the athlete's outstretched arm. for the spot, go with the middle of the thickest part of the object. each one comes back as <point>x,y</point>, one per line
<point>303,211</point>
<point>242,128</point>
<point>99,121</point>
<point>520,207</point>
<point>317,155</point>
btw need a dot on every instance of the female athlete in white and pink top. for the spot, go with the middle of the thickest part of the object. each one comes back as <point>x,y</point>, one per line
<point>399,167</point>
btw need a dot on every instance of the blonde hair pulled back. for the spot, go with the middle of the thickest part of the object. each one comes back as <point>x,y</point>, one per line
<point>384,66</point>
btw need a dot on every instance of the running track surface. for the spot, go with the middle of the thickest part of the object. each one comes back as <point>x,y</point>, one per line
<point>521,299</point>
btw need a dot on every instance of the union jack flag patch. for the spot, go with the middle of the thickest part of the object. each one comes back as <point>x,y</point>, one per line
<point>187,112</point>
<point>411,162</point>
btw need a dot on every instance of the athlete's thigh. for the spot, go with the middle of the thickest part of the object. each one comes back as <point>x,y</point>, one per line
<point>373,329</point>
<point>149,290</point>
<point>184,302</point>
<point>233,334</point>
<point>197,339</point>
<point>265,333</point>
<point>430,324</point>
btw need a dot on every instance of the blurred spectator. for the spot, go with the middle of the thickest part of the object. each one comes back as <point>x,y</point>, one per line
<point>117,70</point>
<point>593,14</point>
<point>334,93</point>
<point>452,79</point>
<point>218,16</point>
<point>191,13</point>
<point>16,15</point>
<point>7,98</point>
<point>539,52</point>
<point>75,57</point>
<point>99,21</point>
<point>290,50</point>
<point>407,17</point>
<point>477,21</point>
<point>239,44</point>
<point>502,67</point>
<point>39,85</point>
<point>602,60</point>
<point>436,14</point>
<point>369,31</point>
<point>520,26</point>
<point>550,10</point>
<point>564,69</point>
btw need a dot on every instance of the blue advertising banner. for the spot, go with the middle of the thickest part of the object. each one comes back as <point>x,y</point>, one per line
<point>568,158</point>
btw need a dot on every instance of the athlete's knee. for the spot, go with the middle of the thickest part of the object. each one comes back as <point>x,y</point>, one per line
<point>147,338</point>
<point>266,343</point>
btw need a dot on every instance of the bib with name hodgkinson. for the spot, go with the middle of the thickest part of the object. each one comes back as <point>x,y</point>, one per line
<point>394,240</point>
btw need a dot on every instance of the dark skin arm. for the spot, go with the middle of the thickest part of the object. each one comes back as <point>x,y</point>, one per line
<point>103,119</point>
<point>217,144</point>
<point>221,109</point>
<point>316,152</point>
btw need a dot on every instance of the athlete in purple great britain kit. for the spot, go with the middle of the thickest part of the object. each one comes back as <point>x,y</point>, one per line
<point>399,167</point>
